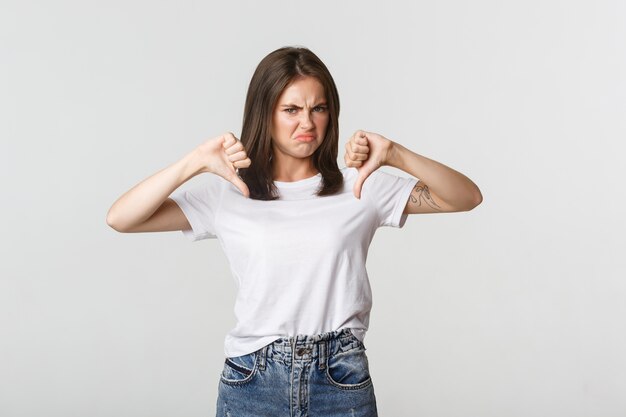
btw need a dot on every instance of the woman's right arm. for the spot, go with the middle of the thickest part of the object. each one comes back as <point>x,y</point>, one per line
<point>147,208</point>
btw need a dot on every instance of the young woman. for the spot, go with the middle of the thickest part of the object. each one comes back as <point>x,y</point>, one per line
<point>296,229</point>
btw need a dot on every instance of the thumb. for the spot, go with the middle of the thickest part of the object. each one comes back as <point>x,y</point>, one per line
<point>358,183</point>
<point>238,182</point>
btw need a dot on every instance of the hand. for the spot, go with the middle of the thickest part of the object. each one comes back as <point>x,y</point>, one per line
<point>222,156</point>
<point>367,151</point>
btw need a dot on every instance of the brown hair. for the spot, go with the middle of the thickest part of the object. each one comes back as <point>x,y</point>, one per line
<point>271,77</point>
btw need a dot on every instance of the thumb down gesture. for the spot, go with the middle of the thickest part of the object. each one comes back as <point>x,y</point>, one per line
<point>367,151</point>
<point>223,156</point>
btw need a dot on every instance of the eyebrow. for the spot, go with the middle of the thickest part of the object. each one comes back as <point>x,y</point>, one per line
<point>323,103</point>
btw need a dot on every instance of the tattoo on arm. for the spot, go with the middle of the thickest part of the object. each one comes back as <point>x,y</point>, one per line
<point>422,193</point>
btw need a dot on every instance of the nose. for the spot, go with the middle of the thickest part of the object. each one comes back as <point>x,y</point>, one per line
<point>306,121</point>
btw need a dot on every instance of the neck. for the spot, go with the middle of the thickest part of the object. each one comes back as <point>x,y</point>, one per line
<point>293,172</point>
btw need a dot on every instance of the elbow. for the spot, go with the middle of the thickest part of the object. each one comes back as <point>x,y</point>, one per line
<point>476,200</point>
<point>472,202</point>
<point>113,224</point>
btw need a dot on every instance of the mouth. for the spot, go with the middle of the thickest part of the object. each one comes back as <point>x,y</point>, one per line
<point>305,138</point>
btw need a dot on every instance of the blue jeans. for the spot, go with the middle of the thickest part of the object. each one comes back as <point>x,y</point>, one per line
<point>323,375</point>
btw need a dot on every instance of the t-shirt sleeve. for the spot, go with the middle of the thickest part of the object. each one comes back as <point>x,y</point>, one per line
<point>389,194</point>
<point>199,204</point>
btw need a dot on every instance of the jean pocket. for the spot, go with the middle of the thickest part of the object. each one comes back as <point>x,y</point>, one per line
<point>349,370</point>
<point>239,370</point>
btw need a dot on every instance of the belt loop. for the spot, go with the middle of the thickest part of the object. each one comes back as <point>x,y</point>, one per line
<point>323,354</point>
<point>262,356</point>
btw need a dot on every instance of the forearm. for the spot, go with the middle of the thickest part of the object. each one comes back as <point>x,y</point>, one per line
<point>140,202</point>
<point>449,185</point>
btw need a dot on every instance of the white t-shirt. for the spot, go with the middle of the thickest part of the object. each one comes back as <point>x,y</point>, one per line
<point>299,261</point>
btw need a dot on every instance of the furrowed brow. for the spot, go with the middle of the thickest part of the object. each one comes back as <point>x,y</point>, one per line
<point>323,103</point>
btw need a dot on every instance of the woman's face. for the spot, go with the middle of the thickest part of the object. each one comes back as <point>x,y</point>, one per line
<point>300,119</point>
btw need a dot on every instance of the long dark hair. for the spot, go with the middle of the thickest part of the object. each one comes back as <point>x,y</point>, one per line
<point>271,77</point>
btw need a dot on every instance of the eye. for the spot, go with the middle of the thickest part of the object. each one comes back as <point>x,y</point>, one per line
<point>321,108</point>
<point>290,109</point>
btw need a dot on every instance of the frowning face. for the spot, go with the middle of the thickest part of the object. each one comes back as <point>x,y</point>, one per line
<point>299,120</point>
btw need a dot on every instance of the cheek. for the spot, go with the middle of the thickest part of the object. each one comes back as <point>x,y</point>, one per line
<point>284,123</point>
<point>322,122</point>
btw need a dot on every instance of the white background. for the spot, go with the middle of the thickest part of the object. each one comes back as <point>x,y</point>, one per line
<point>516,308</point>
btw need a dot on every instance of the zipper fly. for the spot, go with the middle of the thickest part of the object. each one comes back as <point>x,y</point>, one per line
<point>293,360</point>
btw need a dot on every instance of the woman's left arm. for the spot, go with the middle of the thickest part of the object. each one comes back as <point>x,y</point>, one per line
<point>439,189</point>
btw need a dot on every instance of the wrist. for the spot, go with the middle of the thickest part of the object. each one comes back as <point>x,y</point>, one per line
<point>394,155</point>
<point>190,165</point>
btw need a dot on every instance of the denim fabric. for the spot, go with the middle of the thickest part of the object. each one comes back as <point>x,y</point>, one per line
<point>323,375</point>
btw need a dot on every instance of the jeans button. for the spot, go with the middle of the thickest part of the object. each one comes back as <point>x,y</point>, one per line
<point>302,351</point>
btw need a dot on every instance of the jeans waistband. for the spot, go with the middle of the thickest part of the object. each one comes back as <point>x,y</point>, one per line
<point>309,347</point>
